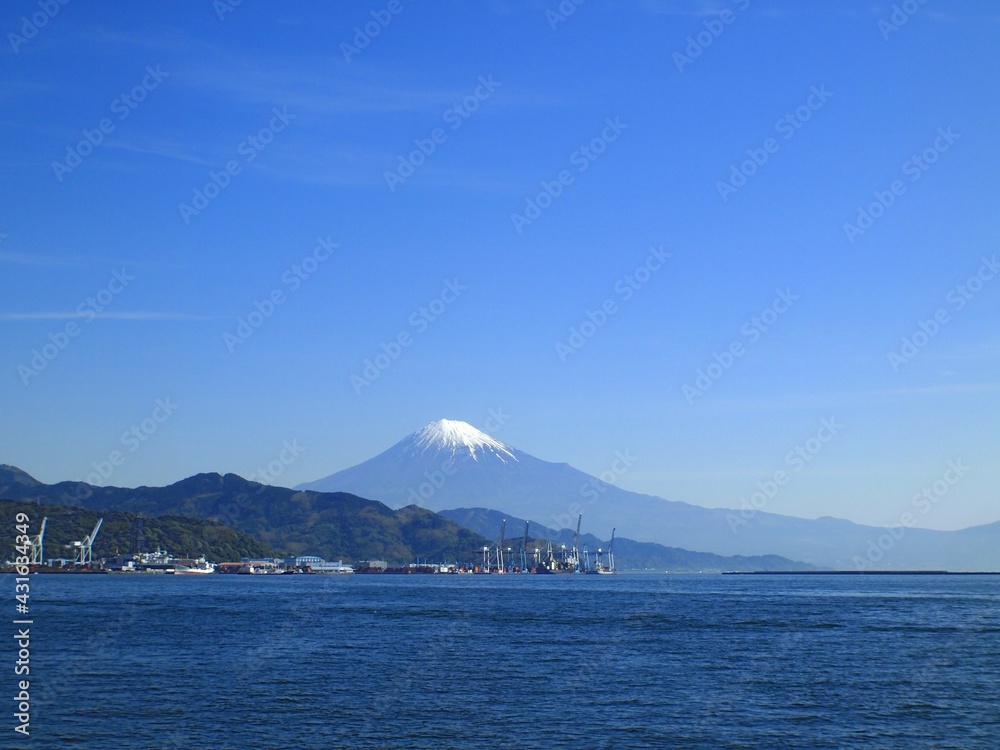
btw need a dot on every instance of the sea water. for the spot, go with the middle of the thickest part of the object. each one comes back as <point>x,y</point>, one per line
<point>422,661</point>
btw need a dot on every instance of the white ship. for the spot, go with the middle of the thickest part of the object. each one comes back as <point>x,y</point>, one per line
<point>201,566</point>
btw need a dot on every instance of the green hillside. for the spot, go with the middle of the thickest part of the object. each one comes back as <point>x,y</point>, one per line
<point>183,537</point>
<point>332,525</point>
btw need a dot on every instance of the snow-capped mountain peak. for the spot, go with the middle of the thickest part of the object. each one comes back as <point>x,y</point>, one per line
<point>456,436</point>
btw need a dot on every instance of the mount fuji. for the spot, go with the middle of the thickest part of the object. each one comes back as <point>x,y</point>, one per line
<point>449,465</point>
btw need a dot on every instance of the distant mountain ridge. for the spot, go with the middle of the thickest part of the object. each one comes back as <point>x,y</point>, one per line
<point>448,465</point>
<point>332,525</point>
<point>14,476</point>
<point>629,554</point>
<point>290,522</point>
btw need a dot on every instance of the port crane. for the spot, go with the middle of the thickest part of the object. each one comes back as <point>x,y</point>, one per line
<point>611,552</point>
<point>524,549</point>
<point>83,552</point>
<point>576,544</point>
<point>37,556</point>
<point>503,531</point>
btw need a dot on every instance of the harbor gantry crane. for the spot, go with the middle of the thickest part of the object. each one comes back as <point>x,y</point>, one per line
<point>611,552</point>
<point>524,549</point>
<point>576,543</point>
<point>83,552</point>
<point>37,545</point>
<point>503,531</point>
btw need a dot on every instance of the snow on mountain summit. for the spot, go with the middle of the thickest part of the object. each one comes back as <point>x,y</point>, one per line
<point>453,435</point>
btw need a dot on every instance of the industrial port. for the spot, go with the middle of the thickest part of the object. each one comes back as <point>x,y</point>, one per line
<point>498,559</point>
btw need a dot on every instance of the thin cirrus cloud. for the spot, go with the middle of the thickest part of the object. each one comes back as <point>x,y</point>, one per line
<point>278,82</point>
<point>843,399</point>
<point>47,261</point>
<point>162,149</point>
<point>315,97</point>
<point>317,102</point>
<point>68,262</point>
<point>682,8</point>
<point>121,315</point>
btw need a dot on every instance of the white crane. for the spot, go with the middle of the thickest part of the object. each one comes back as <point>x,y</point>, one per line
<point>83,552</point>
<point>611,552</point>
<point>37,556</point>
<point>503,531</point>
<point>575,561</point>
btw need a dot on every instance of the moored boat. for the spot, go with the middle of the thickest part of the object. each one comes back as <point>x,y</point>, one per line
<point>201,566</point>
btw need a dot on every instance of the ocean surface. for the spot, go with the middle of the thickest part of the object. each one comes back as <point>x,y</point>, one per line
<point>627,661</point>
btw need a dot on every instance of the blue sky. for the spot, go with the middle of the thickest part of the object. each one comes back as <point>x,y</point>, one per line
<point>121,314</point>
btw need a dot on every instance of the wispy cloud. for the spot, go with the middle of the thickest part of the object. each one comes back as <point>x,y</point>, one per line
<point>110,41</point>
<point>311,87</point>
<point>90,314</point>
<point>848,398</point>
<point>162,149</point>
<point>709,8</point>
<point>317,97</point>
<point>696,8</point>
<point>937,15</point>
<point>44,261</point>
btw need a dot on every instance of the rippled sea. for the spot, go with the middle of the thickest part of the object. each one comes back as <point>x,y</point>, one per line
<point>514,662</point>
